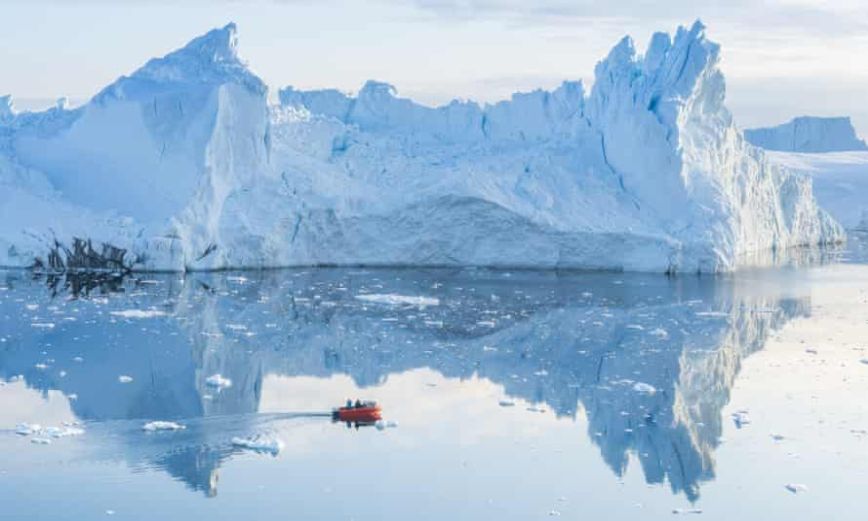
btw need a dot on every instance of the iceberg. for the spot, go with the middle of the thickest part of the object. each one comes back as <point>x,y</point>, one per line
<point>840,182</point>
<point>184,165</point>
<point>808,134</point>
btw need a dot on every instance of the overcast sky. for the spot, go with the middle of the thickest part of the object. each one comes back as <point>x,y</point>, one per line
<point>781,58</point>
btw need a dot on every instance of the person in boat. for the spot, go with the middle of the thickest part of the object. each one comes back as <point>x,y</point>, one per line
<point>349,403</point>
<point>358,404</point>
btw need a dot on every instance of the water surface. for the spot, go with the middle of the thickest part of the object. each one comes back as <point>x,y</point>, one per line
<point>513,394</point>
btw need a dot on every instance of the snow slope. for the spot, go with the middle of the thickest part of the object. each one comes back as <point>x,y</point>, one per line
<point>808,134</point>
<point>840,182</point>
<point>182,165</point>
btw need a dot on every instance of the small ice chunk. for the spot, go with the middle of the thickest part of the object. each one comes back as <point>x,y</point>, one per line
<point>659,332</point>
<point>41,440</point>
<point>796,488</point>
<point>382,425</point>
<point>259,443</point>
<point>162,426</point>
<point>138,313</point>
<point>506,403</point>
<point>63,432</point>
<point>218,381</point>
<point>42,325</point>
<point>740,418</point>
<point>124,379</point>
<point>679,511</point>
<point>397,300</point>
<point>26,429</point>
<point>642,387</point>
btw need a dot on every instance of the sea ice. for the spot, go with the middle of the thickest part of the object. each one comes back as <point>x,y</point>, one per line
<point>796,488</point>
<point>162,426</point>
<point>138,313</point>
<point>396,300</point>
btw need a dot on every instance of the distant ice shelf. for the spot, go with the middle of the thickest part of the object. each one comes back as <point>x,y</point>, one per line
<point>183,165</point>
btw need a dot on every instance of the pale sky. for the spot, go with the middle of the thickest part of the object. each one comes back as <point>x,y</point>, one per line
<point>781,58</point>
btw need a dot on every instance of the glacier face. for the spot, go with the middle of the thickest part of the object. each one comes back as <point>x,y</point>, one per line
<point>184,166</point>
<point>808,134</point>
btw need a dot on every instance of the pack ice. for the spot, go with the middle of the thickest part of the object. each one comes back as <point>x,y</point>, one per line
<point>183,165</point>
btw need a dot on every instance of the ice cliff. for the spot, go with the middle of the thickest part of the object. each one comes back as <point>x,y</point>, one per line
<point>184,166</point>
<point>808,134</point>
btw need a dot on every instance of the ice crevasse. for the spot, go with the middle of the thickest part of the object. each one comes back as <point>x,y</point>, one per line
<point>184,165</point>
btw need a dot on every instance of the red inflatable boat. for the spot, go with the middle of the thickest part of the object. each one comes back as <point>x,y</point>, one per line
<point>359,412</point>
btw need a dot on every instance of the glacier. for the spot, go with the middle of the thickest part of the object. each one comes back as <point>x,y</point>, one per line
<point>184,165</point>
<point>808,134</point>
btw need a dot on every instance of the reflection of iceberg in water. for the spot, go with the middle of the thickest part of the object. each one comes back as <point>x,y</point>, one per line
<point>649,360</point>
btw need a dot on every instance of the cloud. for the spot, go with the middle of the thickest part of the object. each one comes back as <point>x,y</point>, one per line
<point>816,16</point>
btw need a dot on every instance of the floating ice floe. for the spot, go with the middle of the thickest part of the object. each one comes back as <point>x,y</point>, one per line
<point>237,327</point>
<point>398,300</point>
<point>259,443</point>
<point>740,418</point>
<point>26,429</point>
<point>642,387</point>
<point>506,403</point>
<point>124,379</point>
<point>138,313</point>
<point>218,381</point>
<point>382,424</point>
<point>796,488</point>
<point>162,426</point>
<point>42,325</point>
<point>63,432</point>
<point>41,441</point>
<point>659,333</point>
<point>679,511</point>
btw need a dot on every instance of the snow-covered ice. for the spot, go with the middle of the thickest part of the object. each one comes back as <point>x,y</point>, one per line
<point>646,172</point>
<point>125,379</point>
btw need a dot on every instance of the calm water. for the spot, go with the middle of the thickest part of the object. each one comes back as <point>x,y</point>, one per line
<point>513,395</point>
